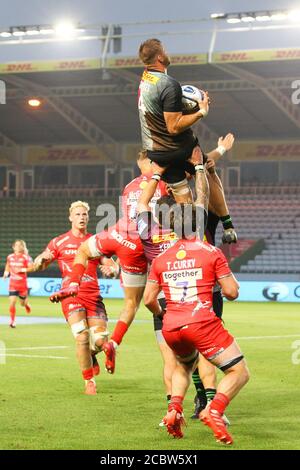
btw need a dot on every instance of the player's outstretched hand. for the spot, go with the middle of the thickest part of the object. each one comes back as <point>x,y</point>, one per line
<point>227,141</point>
<point>205,103</point>
<point>70,291</point>
<point>229,236</point>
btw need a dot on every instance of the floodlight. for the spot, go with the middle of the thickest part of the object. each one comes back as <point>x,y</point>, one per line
<point>34,102</point>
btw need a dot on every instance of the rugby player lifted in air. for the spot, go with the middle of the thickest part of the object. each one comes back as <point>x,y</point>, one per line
<point>85,313</point>
<point>166,132</point>
<point>187,273</point>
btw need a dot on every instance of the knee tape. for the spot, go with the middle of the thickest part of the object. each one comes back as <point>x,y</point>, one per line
<point>79,327</point>
<point>96,333</point>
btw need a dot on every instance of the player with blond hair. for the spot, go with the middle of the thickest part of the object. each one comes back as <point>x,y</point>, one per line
<point>17,265</point>
<point>85,313</point>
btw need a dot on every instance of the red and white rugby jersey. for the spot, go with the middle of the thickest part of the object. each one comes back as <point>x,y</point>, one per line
<point>123,242</point>
<point>187,273</point>
<point>63,249</point>
<point>15,262</point>
<point>133,191</point>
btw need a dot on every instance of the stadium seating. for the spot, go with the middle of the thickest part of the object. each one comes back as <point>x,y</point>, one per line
<point>38,220</point>
<point>276,219</point>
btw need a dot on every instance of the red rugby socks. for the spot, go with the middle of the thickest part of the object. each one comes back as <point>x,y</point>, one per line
<point>12,311</point>
<point>119,331</point>
<point>219,403</point>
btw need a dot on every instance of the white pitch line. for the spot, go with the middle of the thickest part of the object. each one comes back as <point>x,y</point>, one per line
<point>267,337</point>
<point>31,356</point>
<point>36,348</point>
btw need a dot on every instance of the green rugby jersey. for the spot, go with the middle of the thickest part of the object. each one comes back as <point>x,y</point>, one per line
<point>159,93</point>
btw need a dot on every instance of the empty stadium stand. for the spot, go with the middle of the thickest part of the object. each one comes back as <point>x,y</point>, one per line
<point>276,219</point>
<point>273,217</point>
<point>37,220</point>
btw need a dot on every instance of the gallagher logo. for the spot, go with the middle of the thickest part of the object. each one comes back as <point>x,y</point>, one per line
<point>276,292</point>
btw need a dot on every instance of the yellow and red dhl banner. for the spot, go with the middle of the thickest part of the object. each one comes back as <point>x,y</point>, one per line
<point>65,154</point>
<point>182,59</point>
<point>256,55</point>
<point>266,150</point>
<point>127,62</point>
<point>50,66</point>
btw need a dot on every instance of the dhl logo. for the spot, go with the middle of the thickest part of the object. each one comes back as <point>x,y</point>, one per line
<point>24,67</point>
<point>68,154</point>
<point>175,60</point>
<point>278,150</point>
<point>129,62</point>
<point>168,237</point>
<point>79,64</point>
<point>234,57</point>
<point>185,59</point>
<point>148,77</point>
<point>288,54</point>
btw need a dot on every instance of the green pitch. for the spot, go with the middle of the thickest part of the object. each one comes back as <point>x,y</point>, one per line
<point>43,405</point>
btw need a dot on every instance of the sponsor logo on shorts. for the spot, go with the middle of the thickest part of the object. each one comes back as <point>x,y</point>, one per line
<point>74,306</point>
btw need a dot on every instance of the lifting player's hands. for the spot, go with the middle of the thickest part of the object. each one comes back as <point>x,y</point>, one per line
<point>70,291</point>
<point>157,170</point>
<point>197,156</point>
<point>205,103</point>
<point>210,166</point>
<point>227,141</point>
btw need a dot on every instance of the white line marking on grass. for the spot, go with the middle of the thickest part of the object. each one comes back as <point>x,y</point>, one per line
<point>268,337</point>
<point>31,356</point>
<point>37,347</point>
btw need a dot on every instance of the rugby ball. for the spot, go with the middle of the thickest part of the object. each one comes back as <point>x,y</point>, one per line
<point>190,95</point>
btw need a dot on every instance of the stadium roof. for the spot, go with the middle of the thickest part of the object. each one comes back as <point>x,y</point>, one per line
<point>84,103</point>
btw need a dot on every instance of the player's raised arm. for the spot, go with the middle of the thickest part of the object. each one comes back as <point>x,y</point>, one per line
<point>149,190</point>
<point>201,183</point>
<point>224,145</point>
